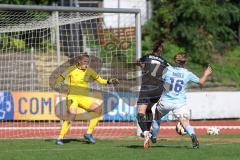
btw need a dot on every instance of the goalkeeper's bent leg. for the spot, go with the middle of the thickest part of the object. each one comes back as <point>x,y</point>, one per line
<point>67,123</point>
<point>96,111</point>
<point>65,127</point>
<point>93,122</point>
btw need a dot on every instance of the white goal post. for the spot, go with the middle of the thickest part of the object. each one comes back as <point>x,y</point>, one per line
<point>38,41</point>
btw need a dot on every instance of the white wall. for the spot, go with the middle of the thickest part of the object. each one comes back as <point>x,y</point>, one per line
<point>125,20</point>
<point>214,105</point>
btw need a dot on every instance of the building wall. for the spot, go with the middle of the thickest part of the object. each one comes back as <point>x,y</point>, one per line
<point>123,19</point>
<point>117,20</point>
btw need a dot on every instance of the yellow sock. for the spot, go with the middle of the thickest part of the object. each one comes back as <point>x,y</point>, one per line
<point>65,127</point>
<point>93,123</point>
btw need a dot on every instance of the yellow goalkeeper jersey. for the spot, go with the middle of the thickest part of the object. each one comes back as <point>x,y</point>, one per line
<point>78,80</point>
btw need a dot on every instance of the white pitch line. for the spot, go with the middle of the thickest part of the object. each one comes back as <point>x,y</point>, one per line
<point>54,128</point>
<point>110,127</point>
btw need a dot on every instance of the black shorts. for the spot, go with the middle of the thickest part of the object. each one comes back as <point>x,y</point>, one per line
<point>150,93</point>
<point>148,100</point>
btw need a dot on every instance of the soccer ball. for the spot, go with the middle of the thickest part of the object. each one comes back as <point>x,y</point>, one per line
<point>213,130</point>
<point>180,130</point>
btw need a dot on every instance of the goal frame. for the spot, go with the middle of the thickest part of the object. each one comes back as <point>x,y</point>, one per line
<point>56,9</point>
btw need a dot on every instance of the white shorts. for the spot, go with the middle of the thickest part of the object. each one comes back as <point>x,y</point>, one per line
<point>178,110</point>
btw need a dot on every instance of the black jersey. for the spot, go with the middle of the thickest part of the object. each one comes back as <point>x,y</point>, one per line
<point>152,85</point>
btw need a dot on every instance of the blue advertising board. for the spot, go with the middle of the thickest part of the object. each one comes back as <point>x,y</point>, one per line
<point>6,106</point>
<point>120,107</point>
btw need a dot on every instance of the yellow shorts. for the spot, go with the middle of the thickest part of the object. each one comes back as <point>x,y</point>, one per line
<point>73,102</point>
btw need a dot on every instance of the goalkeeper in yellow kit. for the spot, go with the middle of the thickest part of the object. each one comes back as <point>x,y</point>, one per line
<point>78,77</point>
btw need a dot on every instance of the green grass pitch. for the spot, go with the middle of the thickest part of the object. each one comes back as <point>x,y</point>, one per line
<point>222,147</point>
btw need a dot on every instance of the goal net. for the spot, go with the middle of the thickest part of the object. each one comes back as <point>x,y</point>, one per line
<point>36,44</point>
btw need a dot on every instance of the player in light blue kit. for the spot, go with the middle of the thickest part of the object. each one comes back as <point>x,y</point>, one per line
<point>176,79</point>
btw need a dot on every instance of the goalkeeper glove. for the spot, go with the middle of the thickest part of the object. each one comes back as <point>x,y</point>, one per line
<point>113,81</point>
<point>57,86</point>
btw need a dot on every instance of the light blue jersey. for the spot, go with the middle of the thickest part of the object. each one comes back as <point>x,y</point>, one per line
<point>175,83</point>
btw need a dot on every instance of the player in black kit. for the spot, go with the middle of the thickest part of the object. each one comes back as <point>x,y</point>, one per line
<point>151,89</point>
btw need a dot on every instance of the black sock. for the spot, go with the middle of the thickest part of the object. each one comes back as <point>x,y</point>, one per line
<point>149,118</point>
<point>149,115</point>
<point>142,121</point>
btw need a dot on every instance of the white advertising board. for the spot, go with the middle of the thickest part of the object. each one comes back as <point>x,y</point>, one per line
<point>214,105</point>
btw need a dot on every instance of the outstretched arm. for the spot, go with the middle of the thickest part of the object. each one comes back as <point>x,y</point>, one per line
<point>113,81</point>
<point>206,74</point>
<point>101,80</point>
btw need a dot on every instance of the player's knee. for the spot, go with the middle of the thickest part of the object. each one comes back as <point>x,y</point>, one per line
<point>71,117</point>
<point>96,108</point>
<point>186,116</point>
<point>141,117</point>
<point>142,108</point>
<point>93,107</point>
<point>72,111</point>
<point>184,120</point>
<point>71,114</point>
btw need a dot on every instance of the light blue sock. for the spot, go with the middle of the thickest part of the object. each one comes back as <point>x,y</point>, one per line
<point>155,127</point>
<point>190,130</point>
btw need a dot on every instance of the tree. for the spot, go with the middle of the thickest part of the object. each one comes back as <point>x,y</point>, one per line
<point>202,27</point>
